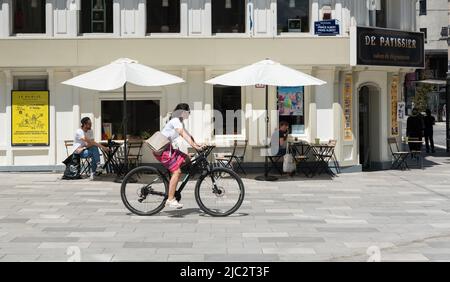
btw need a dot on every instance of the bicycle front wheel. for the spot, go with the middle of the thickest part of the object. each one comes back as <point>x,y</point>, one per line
<point>220,192</point>
<point>144,191</point>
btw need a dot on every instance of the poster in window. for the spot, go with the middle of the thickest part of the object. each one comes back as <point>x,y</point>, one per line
<point>394,107</point>
<point>348,114</point>
<point>290,101</point>
<point>30,118</point>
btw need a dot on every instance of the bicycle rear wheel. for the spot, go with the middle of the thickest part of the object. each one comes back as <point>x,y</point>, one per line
<point>144,191</point>
<point>220,192</point>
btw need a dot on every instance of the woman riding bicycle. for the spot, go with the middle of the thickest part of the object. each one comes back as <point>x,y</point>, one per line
<point>173,159</point>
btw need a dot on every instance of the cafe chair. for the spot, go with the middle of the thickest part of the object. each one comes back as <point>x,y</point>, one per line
<point>85,162</point>
<point>333,159</point>
<point>134,148</point>
<point>399,158</point>
<point>416,150</point>
<point>234,160</point>
<point>324,155</point>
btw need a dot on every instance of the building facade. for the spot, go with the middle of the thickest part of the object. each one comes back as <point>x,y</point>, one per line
<point>432,21</point>
<point>44,42</point>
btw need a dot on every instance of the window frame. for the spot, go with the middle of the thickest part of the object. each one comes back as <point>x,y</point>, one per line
<point>231,34</point>
<point>295,34</point>
<point>96,34</point>
<point>22,34</point>
<point>224,137</point>
<point>131,96</point>
<point>164,34</point>
<point>423,7</point>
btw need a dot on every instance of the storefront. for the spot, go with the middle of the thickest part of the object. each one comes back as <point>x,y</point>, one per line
<point>198,40</point>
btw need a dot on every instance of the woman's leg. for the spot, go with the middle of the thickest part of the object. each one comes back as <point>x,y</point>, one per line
<point>176,175</point>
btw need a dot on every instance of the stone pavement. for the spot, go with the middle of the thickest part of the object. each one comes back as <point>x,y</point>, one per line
<point>402,215</point>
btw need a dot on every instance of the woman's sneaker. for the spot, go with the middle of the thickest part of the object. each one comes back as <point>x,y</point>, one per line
<point>174,204</point>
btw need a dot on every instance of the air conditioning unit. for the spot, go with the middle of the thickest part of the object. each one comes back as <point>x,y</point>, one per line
<point>444,32</point>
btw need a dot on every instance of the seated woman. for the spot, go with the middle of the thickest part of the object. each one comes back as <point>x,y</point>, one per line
<point>174,159</point>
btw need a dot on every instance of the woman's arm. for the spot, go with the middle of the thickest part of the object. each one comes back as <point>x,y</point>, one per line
<point>186,136</point>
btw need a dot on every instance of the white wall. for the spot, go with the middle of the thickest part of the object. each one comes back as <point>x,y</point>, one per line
<point>433,21</point>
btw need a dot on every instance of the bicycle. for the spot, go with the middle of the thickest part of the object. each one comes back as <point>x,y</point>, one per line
<point>144,190</point>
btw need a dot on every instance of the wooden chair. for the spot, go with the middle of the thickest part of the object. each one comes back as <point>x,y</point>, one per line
<point>399,157</point>
<point>333,159</point>
<point>85,162</point>
<point>234,160</point>
<point>301,157</point>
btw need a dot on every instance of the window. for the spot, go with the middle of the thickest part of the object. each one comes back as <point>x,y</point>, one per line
<point>31,84</point>
<point>381,14</point>
<point>424,30</point>
<point>422,7</point>
<point>96,16</point>
<point>291,108</point>
<point>28,16</point>
<point>143,119</point>
<point>163,16</point>
<point>293,16</point>
<point>228,16</point>
<point>227,110</point>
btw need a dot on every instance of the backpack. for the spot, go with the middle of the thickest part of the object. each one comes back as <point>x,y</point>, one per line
<point>73,167</point>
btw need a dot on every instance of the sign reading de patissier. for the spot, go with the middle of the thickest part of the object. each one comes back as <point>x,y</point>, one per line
<point>372,46</point>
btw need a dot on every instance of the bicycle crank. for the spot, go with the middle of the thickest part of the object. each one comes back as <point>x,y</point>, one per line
<point>142,194</point>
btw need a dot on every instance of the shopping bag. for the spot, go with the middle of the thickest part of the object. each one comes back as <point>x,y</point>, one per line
<point>288,163</point>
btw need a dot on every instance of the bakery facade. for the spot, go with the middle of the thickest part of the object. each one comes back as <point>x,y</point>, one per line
<point>364,61</point>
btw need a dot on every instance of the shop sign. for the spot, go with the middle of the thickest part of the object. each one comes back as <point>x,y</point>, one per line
<point>30,118</point>
<point>348,106</point>
<point>326,28</point>
<point>394,107</point>
<point>386,47</point>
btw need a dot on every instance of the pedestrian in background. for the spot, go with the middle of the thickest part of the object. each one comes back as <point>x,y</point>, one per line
<point>414,130</point>
<point>429,121</point>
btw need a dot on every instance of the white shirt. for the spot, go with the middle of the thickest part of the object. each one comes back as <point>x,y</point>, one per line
<point>170,131</point>
<point>77,142</point>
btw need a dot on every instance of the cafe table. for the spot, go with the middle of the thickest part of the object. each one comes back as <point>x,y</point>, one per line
<point>112,164</point>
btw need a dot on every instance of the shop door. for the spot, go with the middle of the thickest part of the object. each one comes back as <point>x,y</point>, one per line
<point>364,128</point>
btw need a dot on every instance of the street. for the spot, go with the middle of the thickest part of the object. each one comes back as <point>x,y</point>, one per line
<point>385,215</point>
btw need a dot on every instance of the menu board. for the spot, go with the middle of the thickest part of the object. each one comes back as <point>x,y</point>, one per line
<point>348,113</point>
<point>394,107</point>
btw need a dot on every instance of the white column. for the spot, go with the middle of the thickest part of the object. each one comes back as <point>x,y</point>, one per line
<point>53,146</point>
<point>5,13</point>
<point>116,18</point>
<point>184,18</point>
<point>141,22</point>
<point>49,17</point>
<point>8,88</point>
<point>208,18</point>
<point>339,16</point>
<point>75,104</point>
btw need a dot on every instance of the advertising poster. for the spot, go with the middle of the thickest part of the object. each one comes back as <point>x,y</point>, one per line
<point>30,118</point>
<point>290,101</point>
<point>107,131</point>
<point>348,114</point>
<point>401,110</point>
<point>394,107</point>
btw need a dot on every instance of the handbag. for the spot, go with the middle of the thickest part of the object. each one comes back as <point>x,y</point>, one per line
<point>157,142</point>
<point>288,163</point>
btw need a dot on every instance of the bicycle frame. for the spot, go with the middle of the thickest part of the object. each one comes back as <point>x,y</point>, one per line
<point>201,161</point>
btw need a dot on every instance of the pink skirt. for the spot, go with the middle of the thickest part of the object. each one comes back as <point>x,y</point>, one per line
<point>172,161</point>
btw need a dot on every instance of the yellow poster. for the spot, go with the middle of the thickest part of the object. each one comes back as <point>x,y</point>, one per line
<point>394,107</point>
<point>348,106</point>
<point>30,118</point>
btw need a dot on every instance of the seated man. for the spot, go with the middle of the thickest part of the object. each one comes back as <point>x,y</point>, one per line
<point>279,139</point>
<point>85,146</point>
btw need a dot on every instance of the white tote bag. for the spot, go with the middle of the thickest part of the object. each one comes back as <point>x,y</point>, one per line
<point>288,163</point>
